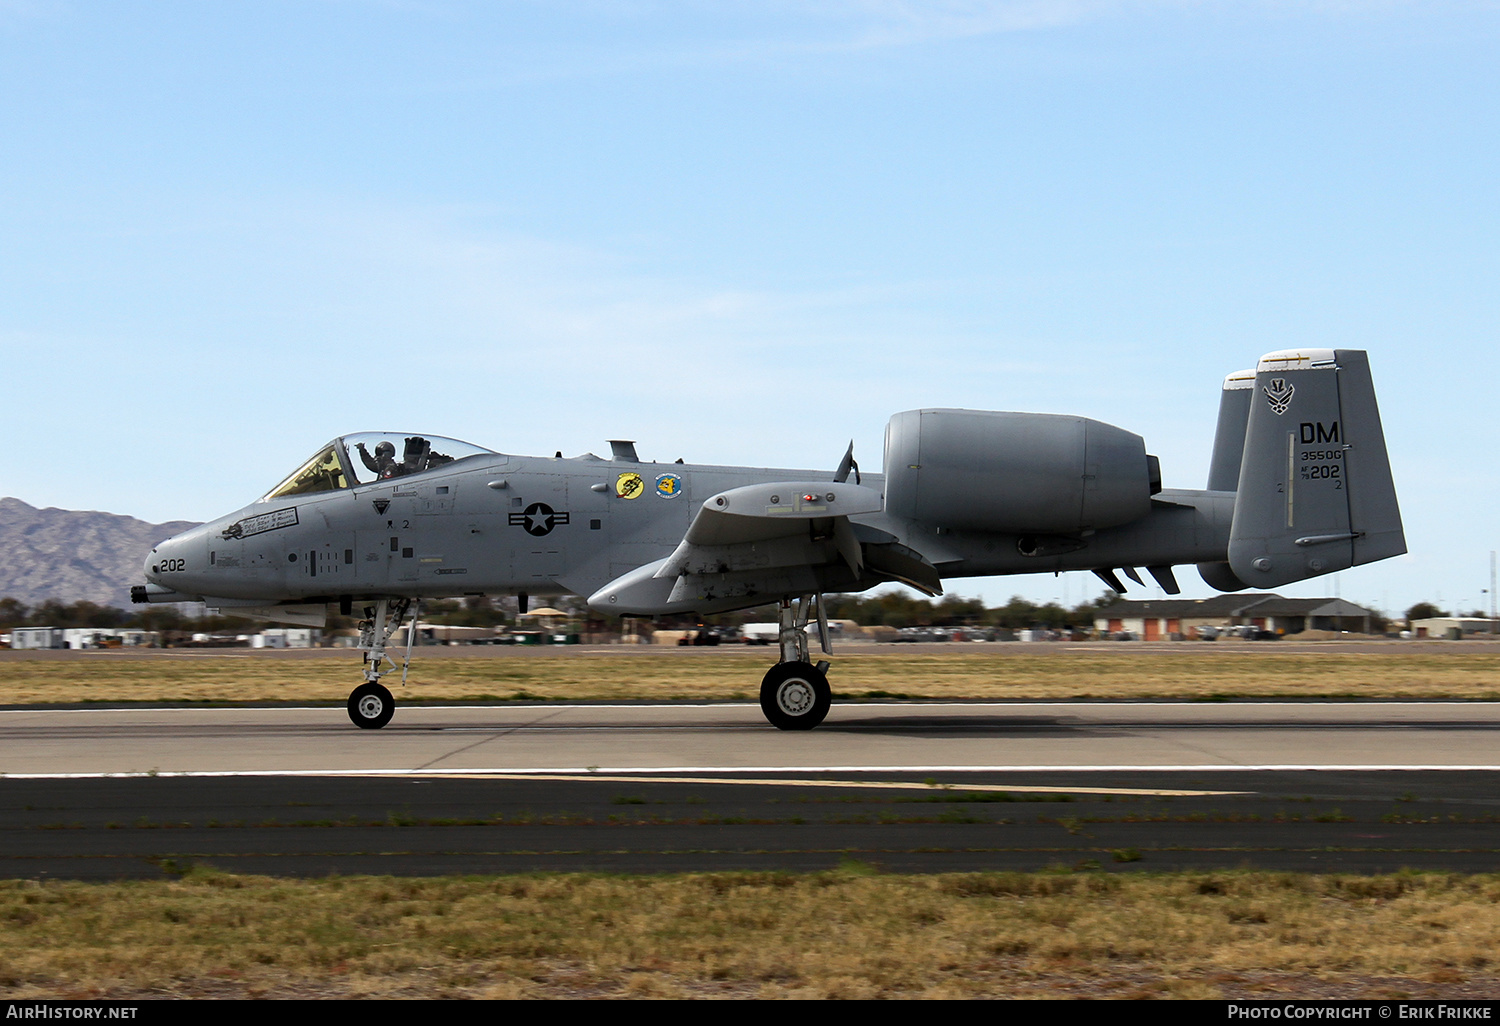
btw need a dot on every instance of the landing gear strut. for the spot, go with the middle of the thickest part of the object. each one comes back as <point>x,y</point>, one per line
<point>371,704</point>
<point>794,695</point>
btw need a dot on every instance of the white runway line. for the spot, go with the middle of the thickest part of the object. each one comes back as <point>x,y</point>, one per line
<point>644,777</point>
<point>415,704</point>
<point>675,774</point>
<point>651,772</point>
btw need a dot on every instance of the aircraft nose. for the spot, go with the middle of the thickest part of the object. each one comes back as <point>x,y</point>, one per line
<point>176,564</point>
<point>163,559</point>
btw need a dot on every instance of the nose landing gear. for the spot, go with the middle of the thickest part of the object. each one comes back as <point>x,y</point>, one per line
<point>371,705</point>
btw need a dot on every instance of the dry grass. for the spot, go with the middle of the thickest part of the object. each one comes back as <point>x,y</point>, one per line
<point>843,934</point>
<point>1189,671</point>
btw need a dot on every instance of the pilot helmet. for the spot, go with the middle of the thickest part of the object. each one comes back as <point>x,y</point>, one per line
<point>386,449</point>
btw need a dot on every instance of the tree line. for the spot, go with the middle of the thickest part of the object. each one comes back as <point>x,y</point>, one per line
<point>1427,610</point>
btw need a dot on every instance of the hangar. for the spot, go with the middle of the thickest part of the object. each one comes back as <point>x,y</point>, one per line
<point>1160,620</point>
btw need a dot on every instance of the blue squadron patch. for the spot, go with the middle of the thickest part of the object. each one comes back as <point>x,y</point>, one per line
<point>668,486</point>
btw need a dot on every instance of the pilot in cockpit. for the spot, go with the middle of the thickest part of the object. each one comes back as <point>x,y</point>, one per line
<point>383,464</point>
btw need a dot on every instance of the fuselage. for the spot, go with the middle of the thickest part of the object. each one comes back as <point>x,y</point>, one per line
<point>487,524</point>
<point>492,524</point>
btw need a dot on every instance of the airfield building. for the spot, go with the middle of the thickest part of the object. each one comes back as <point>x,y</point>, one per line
<point>1455,627</point>
<point>1159,620</point>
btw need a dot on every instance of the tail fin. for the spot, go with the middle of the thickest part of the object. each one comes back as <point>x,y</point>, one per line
<point>1315,493</point>
<point>1229,436</point>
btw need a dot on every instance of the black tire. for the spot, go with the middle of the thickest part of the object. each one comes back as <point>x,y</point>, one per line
<point>371,706</point>
<point>795,696</point>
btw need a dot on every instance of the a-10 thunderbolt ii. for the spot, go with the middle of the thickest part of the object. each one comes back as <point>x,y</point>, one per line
<point>1299,485</point>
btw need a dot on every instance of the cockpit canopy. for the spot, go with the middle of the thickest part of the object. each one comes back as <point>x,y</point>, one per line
<point>372,456</point>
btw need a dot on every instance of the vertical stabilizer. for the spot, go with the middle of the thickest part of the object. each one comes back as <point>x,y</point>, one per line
<point>1373,512</point>
<point>1315,493</point>
<point>1224,465</point>
<point>1229,436</point>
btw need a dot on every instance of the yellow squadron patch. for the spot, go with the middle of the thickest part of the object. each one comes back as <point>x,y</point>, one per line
<point>630,486</point>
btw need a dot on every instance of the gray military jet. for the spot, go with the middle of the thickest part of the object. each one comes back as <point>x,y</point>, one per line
<point>1299,485</point>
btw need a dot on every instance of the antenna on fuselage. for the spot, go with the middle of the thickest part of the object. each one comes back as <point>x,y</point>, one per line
<point>847,464</point>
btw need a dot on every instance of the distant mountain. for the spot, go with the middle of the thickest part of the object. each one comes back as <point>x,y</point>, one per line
<point>71,555</point>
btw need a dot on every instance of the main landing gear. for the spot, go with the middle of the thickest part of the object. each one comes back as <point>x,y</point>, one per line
<point>371,704</point>
<point>794,695</point>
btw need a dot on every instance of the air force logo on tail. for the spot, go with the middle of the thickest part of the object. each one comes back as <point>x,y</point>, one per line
<point>1279,395</point>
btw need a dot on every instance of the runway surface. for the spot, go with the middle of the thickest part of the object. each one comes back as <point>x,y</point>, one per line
<point>1367,787</point>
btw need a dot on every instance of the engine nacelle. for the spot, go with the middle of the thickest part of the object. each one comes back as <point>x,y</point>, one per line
<point>1015,472</point>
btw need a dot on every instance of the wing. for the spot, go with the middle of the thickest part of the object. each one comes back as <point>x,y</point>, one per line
<point>759,542</point>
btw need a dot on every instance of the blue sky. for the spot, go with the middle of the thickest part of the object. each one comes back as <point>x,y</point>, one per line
<point>739,233</point>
